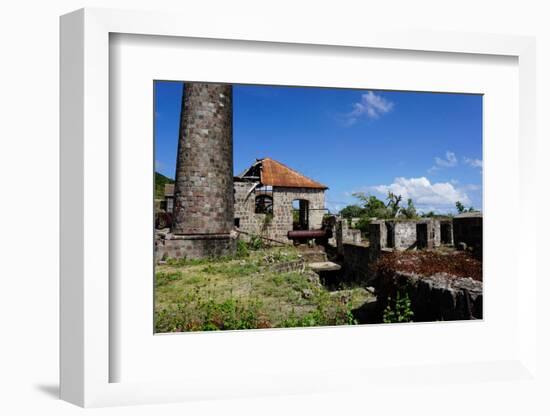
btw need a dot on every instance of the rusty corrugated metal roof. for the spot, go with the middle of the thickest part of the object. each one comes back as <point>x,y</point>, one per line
<point>274,173</point>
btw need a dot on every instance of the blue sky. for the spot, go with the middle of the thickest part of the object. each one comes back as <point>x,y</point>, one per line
<point>424,146</point>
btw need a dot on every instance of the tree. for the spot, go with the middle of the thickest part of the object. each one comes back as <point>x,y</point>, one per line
<point>352,211</point>
<point>393,203</point>
<point>372,206</point>
<point>459,207</point>
<point>410,210</point>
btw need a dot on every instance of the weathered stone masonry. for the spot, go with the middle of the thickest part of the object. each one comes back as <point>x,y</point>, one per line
<point>203,195</point>
<point>404,235</point>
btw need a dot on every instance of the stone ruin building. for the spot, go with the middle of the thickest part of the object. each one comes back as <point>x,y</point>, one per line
<point>413,234</point>
<point>272,199</point>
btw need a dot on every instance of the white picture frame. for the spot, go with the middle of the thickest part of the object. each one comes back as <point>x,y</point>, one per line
<point>86,355</point>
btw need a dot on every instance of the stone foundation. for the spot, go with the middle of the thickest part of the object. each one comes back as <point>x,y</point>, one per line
<point>434,298</point>
<point>194,246</point>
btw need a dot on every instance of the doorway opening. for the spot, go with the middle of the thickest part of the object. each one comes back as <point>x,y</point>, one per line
<point>300,214</point>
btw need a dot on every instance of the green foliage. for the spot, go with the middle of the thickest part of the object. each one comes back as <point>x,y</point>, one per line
<point>209,315</point>
<point>160,181</point>
<point>410,211</point>
<point>372,206</point>
<point>363,225</point>
<point>398,310</point>
<point>163,278</point>
<point>460,207</point>
<point>326,313</point>
<point>352,211</point>
<point>242,249</point>
<point>393,204</point>
<point>295,216</point>
<point>231,269</point>
<point>184,261</point>
<point>255,243</point>
<point>247,292</point>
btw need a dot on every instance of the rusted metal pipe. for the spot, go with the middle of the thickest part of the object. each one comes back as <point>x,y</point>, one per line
<point>303,234</point>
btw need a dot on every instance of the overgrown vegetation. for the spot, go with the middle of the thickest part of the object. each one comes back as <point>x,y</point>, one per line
<point>398,309</point>
<point>460,208</point>
<point>160,181</point>
<point>243,293</point>
<point>370,207</point>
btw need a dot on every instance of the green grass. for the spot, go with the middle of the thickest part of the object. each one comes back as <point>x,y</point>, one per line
<point>243,293</point>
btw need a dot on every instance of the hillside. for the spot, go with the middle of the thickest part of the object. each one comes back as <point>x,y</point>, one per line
<point>160,181</point>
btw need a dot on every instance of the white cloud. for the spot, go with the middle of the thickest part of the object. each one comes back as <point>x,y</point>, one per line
<point>442,195</point>
<point>471,187</point>
<point>449,161</point>
<point>475,163</point>
<point>371,106</point>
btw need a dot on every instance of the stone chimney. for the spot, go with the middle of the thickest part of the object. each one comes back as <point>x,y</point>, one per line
<point>203,194</point>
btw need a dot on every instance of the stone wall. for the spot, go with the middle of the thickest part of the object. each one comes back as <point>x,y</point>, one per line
<point>434,298</point>
<point>343,234</point>
<point>436,228</point>
<point>281,222</point>
<point>248,221</point>
<point>357,259</point>
<point>350,235</point>
<point>404,234</point>
<point>287,267</point>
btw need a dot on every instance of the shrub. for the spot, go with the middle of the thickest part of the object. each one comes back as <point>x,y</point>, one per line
<point>256,243</point>
<point>363,225</point>
<point>242,249</point>
<point>398,310</point>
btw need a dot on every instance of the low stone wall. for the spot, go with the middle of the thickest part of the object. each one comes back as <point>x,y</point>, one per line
<point>350,235</point>
<point>194,247</point>
<point>287,267</point>
<point>434,298</point>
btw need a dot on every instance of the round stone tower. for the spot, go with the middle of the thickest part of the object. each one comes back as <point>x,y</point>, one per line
<point>203,194</point>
